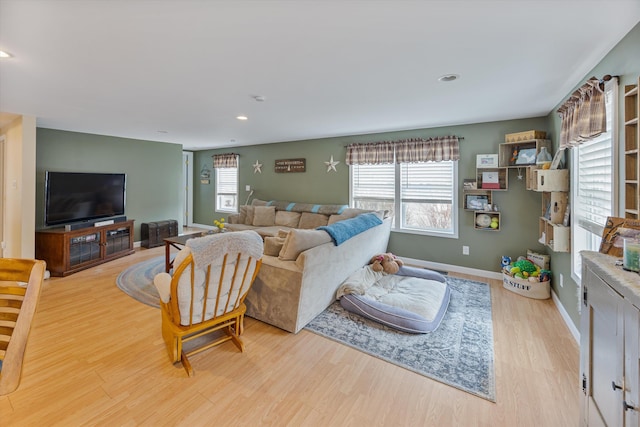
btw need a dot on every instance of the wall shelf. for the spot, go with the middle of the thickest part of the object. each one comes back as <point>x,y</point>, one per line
<point>631,160</point>
<point>506,150</point>
<point>482,220</point>
<point>547,179</point>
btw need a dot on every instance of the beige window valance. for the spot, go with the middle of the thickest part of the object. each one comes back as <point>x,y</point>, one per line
<point>584,114</point>
<point>227,160</point>
<point>404,151</point>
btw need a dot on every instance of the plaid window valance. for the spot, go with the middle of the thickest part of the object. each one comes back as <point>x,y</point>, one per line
<point>583,115</point>
<point>405,151</point>
<point>228,160</point>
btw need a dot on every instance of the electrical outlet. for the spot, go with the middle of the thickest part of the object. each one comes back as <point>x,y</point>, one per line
<point>247,188</point>
<point>465,250</point>
<point>561,279</point>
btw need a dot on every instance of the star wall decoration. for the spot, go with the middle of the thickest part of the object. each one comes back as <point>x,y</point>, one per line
<point>257,167</point>
<point>331,164</point>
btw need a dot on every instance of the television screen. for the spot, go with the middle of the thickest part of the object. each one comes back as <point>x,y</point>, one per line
<point>77,196</point>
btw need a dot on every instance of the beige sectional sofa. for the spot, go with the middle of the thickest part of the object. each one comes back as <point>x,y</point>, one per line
<point>302,267</point>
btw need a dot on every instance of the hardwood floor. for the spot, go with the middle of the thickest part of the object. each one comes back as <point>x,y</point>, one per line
<point>95,357</point>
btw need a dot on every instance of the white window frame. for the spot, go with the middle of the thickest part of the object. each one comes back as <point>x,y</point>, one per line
<point>398,220</point>
<point>219,207</point>
<point>587,236</point>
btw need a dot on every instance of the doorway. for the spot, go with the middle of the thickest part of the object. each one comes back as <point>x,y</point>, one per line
<point>187,185</point>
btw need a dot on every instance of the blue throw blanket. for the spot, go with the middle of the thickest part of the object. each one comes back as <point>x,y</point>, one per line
<point>344,230</point>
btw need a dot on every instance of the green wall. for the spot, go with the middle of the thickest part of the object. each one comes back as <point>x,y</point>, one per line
<point>520,208</point>
<point>624,61</point>
<point>154,170</point>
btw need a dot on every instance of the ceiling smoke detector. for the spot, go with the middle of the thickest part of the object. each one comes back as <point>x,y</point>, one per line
<point>259,98</point>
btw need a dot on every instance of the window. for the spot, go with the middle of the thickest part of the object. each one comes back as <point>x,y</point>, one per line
<point>420,196</point>
<point>593,183</point>
<point>227,190</point>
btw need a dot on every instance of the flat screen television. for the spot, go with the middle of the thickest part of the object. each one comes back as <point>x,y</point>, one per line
<point>83,196</point>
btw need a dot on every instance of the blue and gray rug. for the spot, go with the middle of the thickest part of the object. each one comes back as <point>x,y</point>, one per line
<point>137,281</point>
<point>459,353</point>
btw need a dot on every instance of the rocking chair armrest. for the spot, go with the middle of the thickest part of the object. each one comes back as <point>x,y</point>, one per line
<point>162,281</point>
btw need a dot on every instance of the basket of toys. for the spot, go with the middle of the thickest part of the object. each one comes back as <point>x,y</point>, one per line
<point>527,277</point>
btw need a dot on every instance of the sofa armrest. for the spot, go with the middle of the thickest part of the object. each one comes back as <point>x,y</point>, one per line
<point>325,267</point>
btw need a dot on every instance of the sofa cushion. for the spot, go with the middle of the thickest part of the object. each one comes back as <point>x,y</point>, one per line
<point>272,231</point>
<point>264,216</point>
<point>298,241</point>
<point>288,219</point>
<point>239,227</point>
<point>273,245</point>
<point>250,210</point>
<point>312,220</point>
<point>242,215</point>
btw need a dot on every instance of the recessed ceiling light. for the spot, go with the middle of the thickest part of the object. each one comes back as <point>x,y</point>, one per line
<point>163,131</point>
<point>242,117</point>
<point>4,54</point>
<point>448,77</point>
<point>259,98</point>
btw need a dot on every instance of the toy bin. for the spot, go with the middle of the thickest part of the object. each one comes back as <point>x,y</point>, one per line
<point>536,290</point>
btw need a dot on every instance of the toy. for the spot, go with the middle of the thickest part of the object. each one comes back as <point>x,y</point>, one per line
<point>525,265</point>
<point>494,222</point>
<point>387,262</point>
<point>506,260</point>
<point>514,157</point>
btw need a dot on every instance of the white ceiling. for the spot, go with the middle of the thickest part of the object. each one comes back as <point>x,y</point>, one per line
<point>181,71</point>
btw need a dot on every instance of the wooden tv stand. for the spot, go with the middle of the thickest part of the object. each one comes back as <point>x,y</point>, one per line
<point>67,252</point>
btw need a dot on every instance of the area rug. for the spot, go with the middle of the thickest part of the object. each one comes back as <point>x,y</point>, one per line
<point>137,281</point>
<point>459,353</point>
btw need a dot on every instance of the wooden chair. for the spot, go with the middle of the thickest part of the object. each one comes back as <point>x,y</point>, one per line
<point>17,307</point>
<point>211,278</point>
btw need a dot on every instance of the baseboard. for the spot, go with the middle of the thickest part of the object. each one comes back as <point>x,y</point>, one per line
<point>493,275</point>
<point>452,268</point>
<point>565,316</point>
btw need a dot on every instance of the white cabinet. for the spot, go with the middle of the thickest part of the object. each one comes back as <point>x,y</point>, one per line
<point>609,351</point>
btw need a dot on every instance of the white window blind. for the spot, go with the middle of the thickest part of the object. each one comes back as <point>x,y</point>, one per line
<point>227,189</point>
<point>420,196</point>
<point>373,187</point>
<point>427,195</point>
<point>593,185</point>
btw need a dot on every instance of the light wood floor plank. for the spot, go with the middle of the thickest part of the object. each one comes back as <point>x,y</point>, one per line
<point>95,357</point>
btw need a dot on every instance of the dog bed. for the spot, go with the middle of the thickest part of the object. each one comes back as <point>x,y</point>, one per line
<point>414,300</point>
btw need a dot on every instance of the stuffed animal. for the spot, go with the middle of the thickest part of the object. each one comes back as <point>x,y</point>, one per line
<point>387,262</point>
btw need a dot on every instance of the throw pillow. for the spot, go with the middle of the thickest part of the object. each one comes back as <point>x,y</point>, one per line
<point>250,212</point>
<point>287,219</point>
<point>242,215</point>
<point>264,216</point>
<point>310,220</point>
<point>273,245</point>
<point>298,241</point>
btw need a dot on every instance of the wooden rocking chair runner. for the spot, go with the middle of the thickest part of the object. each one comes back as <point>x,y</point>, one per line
<point>17,308</point>
<point>206,293</point>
